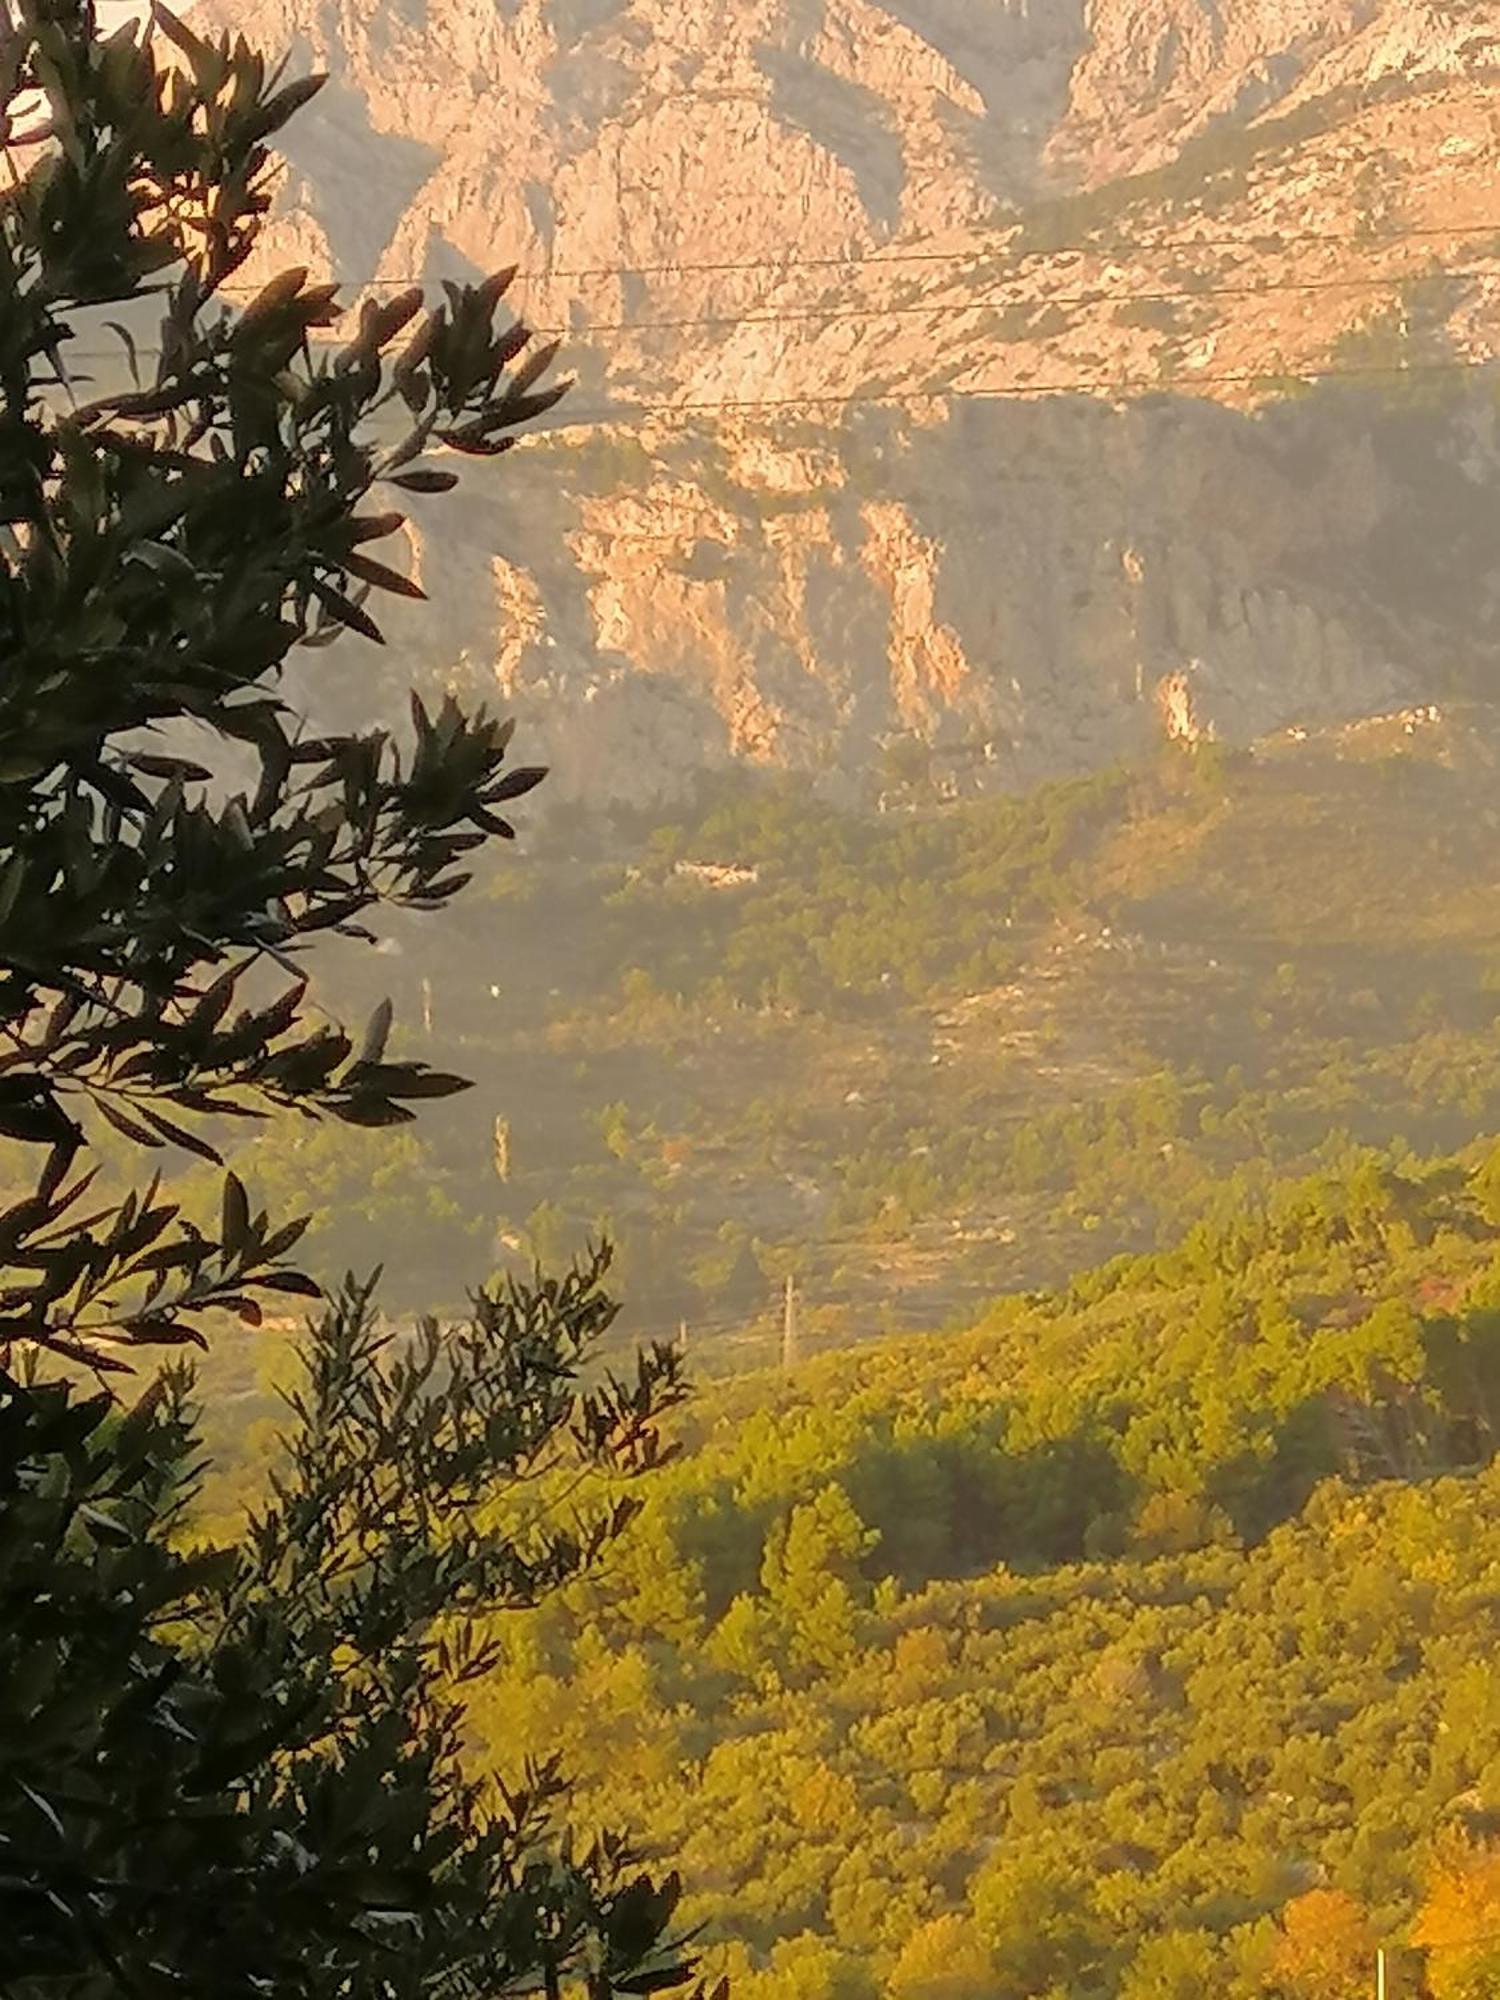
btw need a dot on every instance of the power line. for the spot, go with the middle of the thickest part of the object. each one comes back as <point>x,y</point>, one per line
<point>990,301</point>
<point>1097,386</point>
<point>842,314</point>
<point>878,259</point>
<point>1042,304</point>
<point>1083,385</point>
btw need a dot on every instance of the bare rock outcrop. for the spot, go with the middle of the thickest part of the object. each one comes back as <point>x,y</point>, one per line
<point>919,346</point>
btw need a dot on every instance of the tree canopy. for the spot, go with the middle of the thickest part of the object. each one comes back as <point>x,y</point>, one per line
<point>236,1769</point>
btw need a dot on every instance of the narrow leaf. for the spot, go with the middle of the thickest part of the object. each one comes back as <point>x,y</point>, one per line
<point>235,1223</point>
<point>378,1028</point>
<point>425,479</point>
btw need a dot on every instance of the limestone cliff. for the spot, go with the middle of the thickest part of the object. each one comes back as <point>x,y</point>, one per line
<point>825,268</point>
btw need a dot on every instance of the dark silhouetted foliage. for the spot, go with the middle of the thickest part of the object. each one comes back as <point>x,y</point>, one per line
<point>237,1769</point>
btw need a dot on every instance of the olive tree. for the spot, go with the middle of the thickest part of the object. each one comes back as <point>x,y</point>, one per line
<point>241,1769</point>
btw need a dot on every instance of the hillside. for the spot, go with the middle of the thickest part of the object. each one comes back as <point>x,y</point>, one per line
<point>644,136</point>
<point>1136,1644</point>
<point>922,1057</point>
<point>1007,958</point>
<point>925,202</point>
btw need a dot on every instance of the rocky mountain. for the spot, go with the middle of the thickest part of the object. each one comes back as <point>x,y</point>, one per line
<point>1019,377</point>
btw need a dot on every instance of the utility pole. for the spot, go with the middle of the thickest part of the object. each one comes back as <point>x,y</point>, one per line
<point>682,1337</point>
<point>789,1325</point>
<point>427,1008</point>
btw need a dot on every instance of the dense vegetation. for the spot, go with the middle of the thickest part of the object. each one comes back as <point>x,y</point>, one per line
<point>1134,1642</point>
<point>1140,1641</point>
<point>921,1057</point>
<point>237,1770</point>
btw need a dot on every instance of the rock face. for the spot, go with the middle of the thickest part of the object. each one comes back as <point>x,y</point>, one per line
<point>1039,588</point>
<point>637,133</point>
<point>928,353</point>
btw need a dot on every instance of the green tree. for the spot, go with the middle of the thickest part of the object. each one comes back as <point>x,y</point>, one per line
<point>810,1968</point>
<point>237,1770</point>
<point>1033,1918</point>
<point>1180,1966</point>
<point>944,1960</point>
<point>811,1578</point>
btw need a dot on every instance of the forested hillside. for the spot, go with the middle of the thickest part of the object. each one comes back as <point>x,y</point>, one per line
<point>920,1057</point>
<point>1140,1641</point>
<point>1131,1638</point>
<point>1009,961</point>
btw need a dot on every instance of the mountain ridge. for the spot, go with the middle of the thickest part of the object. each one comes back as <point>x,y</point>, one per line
<point>795,247</point>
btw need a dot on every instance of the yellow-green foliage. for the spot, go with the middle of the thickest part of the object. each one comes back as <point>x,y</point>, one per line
<point>1065,1656</point>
